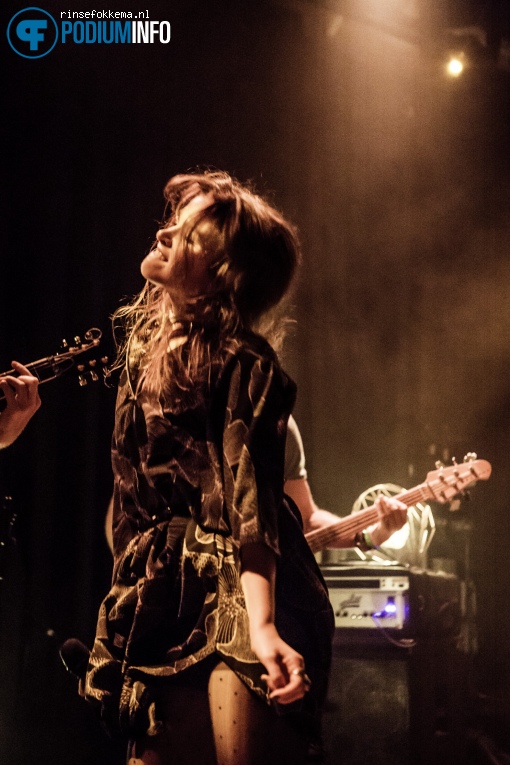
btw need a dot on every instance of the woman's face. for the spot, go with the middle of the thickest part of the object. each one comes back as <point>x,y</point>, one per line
<point>180,266</point>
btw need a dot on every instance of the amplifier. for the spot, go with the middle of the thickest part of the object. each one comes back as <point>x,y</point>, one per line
<point>405,601</point>
<point>368,599</point>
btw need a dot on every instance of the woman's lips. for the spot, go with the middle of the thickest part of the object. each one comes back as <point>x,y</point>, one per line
<point>162,255</point>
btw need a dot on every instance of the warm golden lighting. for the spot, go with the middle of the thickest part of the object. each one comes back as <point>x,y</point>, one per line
<point>455,66</point>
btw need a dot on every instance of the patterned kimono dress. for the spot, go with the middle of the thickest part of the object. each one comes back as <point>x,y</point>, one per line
<point>192,486</point>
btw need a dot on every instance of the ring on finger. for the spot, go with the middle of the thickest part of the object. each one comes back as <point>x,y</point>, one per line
<point>304,677</point>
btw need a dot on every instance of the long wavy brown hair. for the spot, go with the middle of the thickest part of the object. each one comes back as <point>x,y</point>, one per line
<point>253,255</point>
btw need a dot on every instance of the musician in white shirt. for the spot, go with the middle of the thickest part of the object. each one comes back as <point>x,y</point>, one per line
<point>392,512</point>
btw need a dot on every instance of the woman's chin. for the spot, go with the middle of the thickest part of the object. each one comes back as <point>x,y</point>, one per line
<point>152,267</point>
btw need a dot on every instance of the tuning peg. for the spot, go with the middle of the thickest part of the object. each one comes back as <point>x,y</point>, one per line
<point>104,360</point>
<point>82,381</point>
<point>439,464</point>
<point>94,376</point>
<point>470,457</point>
<point>455,464</point>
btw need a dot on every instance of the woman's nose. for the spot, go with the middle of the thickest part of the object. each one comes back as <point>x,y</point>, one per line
<point>164,235</point>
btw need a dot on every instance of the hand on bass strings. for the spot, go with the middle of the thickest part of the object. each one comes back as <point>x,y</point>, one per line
<point>392,516</point>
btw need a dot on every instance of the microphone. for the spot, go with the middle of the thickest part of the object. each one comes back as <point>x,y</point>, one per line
<point>75,657</point>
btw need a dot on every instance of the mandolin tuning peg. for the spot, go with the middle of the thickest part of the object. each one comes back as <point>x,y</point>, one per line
<point>470,457</point>
<point>439,464</point>
<point>92,363</point>
<point>454,461</point>
<point>94,376</point>
<point>104,359</point>
<point>77,340</point>
<point>82,381</point>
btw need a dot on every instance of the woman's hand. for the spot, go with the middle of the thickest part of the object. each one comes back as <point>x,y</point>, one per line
<point>286,678</point>
<point>392,516</point>
<point>22,397</point>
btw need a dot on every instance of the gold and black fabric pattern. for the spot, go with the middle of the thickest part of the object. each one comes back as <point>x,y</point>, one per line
<point>191,488</point>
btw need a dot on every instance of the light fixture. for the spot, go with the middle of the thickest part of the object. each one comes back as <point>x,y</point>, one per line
<point>455,65</point>
<point>408,545</point>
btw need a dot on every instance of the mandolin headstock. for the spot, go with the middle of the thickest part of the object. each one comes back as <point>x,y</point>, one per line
<point>81,356</point>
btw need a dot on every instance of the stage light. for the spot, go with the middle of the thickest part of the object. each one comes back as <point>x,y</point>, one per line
<point>407,546</point>
<point>399,538</point>
<point>455,65</point>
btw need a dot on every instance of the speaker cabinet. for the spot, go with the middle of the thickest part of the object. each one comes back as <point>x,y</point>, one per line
<point>395,706</point>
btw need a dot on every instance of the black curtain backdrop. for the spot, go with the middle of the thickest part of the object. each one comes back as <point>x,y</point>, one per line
<point>398,180</point>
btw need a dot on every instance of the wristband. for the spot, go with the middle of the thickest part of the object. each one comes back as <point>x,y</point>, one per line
<point>363,541</point>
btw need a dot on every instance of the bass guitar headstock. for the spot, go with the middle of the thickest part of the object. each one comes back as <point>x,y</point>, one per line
<point>448,482</point>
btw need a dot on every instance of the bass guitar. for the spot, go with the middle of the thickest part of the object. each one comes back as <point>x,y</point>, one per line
<point>441,486</point>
